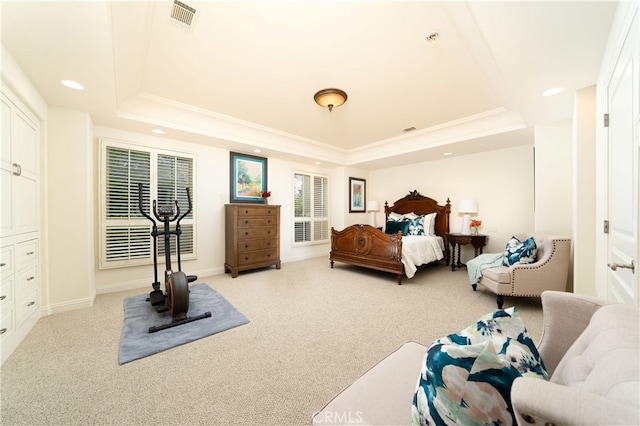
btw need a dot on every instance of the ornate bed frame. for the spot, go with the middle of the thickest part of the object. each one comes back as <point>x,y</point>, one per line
<point>369,247</point>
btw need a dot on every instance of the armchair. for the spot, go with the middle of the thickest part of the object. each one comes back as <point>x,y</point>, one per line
<point>548,272</point>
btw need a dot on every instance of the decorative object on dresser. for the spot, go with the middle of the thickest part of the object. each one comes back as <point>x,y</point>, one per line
<point>370,247</point>
<point>466,207</point>
<point>248,178</point>
<point>252,237</point>
<point>19,223</point>
<point>456,240</point>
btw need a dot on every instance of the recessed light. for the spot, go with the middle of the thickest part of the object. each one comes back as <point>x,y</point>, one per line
<point>158,131</point>
<point>72,84</point>
<point>257,151</point>
<point>553,91</point>
<point>447,153</point>
<point>318,163</point>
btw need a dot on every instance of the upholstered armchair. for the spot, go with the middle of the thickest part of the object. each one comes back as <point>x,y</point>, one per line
<point>548,272</point>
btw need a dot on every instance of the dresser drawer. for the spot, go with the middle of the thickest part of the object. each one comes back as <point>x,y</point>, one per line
<point>257,244</point>
<point>259,256</point>
<point>26,253</point>
<point>249,233</point>
<point>257,222</point>
<point>7,261</point>
<point>7,323</point>
<point>6,292</point>
<point>27,306</point>
<point>257,211</point>
<point>26,281</point>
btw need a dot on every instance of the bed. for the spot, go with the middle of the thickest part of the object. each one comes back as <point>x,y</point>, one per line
<point>370,247</point>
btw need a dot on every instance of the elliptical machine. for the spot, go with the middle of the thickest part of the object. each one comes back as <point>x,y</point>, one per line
<point>175,298</point>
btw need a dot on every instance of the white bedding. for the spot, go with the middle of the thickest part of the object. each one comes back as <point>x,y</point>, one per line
<point>419,250</point>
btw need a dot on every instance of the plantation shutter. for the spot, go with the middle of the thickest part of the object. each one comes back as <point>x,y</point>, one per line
<point>126,234</point>
<point>311,208</point>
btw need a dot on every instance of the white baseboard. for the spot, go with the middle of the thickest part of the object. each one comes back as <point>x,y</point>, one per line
<point>71,305</point>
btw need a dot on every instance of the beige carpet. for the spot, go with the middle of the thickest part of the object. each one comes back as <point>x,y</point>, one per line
<point>313,330</point>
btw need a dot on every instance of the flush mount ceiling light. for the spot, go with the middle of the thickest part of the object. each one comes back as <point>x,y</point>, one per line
<point>72,84</point>
<point>551,92</point>
<point>330,98</point>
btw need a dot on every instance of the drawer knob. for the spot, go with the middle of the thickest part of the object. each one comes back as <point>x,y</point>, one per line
<point>29,253</point>
<point>3,330</point>
<point>31,278</point>
<point>246,233</point>
<point>2,264</point>
<point>246,258</point>
<point>246,221</point>
<point>3,297</point>
<point>31,303</point>
<point>246,246</point>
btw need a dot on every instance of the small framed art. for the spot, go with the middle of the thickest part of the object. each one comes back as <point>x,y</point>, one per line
<point>357,195</point>
<point>248,178</point>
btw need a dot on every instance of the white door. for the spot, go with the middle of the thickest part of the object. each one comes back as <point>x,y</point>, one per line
<point>623,137</point>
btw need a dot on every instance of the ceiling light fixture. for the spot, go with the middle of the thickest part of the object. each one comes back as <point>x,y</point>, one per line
<point>433,37</point>
<point>158,131</point>
<point>330,98</point>
<point>72,84</point>
<point>553,91</point>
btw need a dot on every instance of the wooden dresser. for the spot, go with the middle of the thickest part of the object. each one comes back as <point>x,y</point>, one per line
<point>252,237</point>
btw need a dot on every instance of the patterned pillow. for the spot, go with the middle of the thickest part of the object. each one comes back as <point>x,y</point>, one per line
<point>394,226</point>
<point>417,226</point>
<point>517,251</point>
<point>466,377</point>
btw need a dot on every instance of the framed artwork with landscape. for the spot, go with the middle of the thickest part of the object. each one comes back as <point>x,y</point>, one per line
<point>357,195</point>
<point>248,178</point>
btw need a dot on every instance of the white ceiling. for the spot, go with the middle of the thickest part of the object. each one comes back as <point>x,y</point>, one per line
<point>244,75</point>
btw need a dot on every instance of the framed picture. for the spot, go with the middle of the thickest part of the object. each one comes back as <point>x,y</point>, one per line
<point>248,178</point>
<point>357,195</point>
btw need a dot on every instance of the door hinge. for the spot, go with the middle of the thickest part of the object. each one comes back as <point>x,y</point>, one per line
<point>606,227</point>
<point>606,120</point>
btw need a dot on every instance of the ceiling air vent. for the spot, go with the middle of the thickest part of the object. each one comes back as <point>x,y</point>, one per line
<point>183,15</point>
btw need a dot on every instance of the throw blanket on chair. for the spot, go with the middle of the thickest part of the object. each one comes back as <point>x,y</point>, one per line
<point>476,265</point>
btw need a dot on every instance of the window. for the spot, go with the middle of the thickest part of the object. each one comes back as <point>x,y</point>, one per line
<point>310,209</point>
<point>125,232</point>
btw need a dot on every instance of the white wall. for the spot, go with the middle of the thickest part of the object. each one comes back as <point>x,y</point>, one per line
<point>69,162</point>
<point>211,193</point>
<point>584,192</point>
<point>554,177</point>
<point>501,181</point>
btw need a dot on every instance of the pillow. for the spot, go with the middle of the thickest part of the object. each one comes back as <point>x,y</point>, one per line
<point>394,226</point>
<point>395,216</point>
<point>466,377</point>
<point>417,226</point>
<point>431,219</point>
<point>520,252</point>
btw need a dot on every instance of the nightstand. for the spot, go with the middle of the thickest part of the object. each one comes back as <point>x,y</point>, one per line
<point>457,240</point>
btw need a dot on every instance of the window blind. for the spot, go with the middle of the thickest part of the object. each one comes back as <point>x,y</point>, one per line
<point>311,209</point>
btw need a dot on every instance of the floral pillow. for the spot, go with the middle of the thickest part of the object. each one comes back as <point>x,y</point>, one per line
<point>466,377</point>
<point>416,227</point>
<point>517,251</point>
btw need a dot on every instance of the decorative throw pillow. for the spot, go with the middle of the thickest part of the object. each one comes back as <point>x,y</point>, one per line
<point>394,226</point>
<point>517,251</point>
<point>417,226</point>
<point>466,377</point>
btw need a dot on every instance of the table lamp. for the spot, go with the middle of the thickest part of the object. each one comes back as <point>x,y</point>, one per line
<point>466,207</point>
<point>372,207</point>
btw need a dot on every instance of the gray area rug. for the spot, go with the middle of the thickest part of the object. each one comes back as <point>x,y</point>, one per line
<point>136,341</point>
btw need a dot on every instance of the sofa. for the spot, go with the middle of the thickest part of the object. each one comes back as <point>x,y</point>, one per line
<point>591,351</point>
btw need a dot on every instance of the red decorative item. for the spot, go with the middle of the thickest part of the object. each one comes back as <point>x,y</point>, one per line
<point>266,194</point>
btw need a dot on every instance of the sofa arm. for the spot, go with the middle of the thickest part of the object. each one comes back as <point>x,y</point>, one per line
<point>542,402</point>
<point>565,316</point>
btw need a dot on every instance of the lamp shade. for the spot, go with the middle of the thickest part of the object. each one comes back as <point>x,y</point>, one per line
<point>467,206</point>
<point>373,206</point>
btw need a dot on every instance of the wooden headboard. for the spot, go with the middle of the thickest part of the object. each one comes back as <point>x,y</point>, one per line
<point>419,204</point>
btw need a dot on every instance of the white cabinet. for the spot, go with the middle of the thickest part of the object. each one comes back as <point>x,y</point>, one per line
<point>19,223</point>
<point>18,170</point>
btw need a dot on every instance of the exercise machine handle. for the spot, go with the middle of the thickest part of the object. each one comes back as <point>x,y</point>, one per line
<point>141,207</point>
<point>189,205</point>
